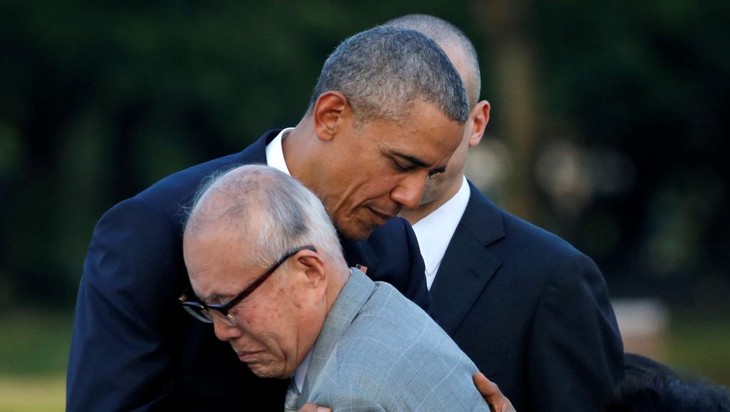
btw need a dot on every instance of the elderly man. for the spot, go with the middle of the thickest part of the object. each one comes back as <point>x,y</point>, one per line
<point>266,262</point>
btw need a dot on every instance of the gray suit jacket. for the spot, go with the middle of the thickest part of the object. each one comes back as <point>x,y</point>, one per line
<point>379,351</point>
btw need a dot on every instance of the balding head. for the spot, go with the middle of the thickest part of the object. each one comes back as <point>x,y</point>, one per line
<point>265,209</point>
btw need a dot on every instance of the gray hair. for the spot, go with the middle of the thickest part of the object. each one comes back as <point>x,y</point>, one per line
<point>446,35</point>
<point>271,211</point>
<point>383,70</point>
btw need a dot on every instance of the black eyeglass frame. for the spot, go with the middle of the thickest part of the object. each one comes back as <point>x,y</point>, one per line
<point>204,312</point>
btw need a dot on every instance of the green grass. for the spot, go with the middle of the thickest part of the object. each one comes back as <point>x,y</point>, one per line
<point>32,394</point>
<point>700,346</point>
<point>34,352</point>
<point>34,344</point>
<point>33,358</point>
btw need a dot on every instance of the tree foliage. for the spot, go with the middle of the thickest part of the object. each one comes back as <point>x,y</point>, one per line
<point>100,99</point>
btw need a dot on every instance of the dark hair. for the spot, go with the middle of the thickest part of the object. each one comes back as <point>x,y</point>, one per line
<point>650,386</point>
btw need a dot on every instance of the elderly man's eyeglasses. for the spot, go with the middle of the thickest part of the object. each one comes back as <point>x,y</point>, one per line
<point>207,312</point>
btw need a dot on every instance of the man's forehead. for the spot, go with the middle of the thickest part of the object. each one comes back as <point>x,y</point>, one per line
<point>426,150</point>
<point>426,138</point>
<point>216,288</point>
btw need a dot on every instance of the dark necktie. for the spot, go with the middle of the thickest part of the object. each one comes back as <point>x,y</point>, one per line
<point>292,395</point>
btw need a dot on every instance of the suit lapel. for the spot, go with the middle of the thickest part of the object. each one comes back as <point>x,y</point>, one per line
<point>468,265</point>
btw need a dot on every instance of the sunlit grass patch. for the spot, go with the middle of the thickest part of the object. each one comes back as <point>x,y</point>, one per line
<point>32,394</point>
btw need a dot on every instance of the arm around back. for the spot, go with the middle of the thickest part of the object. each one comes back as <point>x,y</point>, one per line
<point>118,359</point>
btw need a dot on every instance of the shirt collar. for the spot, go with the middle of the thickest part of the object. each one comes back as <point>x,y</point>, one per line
<point>301,372</point>
<point>275,152</point>
<point>435,230</point>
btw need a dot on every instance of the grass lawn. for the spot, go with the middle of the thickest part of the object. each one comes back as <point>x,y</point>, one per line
<point>33,358</point>
<point>32,393</point>
<point>34,351</point>
<point>700,345</point>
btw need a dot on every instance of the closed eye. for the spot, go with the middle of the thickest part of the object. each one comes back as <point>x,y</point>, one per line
<point>407,163</point>
<point>403,166</point>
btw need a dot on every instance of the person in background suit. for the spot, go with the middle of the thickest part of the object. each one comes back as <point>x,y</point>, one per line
<point>387,111</point>
<point>267,266</point>
<point>528,308</point>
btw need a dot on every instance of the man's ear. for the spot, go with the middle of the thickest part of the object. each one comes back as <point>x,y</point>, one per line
<point>329,110</point>
<point>312,265</point>
<point>479,118</point>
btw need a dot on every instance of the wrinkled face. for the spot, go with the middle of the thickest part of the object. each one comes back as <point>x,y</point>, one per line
<point>379,167</point>
<point>276,326</point>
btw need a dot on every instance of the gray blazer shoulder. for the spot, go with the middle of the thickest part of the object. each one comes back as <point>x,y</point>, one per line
<point>380,351</point>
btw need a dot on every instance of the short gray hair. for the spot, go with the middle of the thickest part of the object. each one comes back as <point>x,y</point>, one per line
<point>271,211</point>
<point>445,34</point>
<point>383,70</point>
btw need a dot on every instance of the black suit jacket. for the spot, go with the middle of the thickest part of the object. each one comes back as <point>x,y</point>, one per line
<point>135,348</point>
<point>530,310</point>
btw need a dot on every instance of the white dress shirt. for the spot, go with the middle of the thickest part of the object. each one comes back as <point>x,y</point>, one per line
<point>434,231</point>
<point>275,152</point>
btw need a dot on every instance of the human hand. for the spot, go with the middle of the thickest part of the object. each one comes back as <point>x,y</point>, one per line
<point>491,393</point>
<point>311,407</point>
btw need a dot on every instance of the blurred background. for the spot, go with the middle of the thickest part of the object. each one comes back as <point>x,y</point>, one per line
<point>607,128</point>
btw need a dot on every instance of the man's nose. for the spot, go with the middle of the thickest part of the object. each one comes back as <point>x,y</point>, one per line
<point>409,190</point>
<point>225,331</point>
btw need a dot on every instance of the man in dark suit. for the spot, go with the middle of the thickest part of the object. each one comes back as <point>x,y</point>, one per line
<point>530,310</point>
<point>379,123</point>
